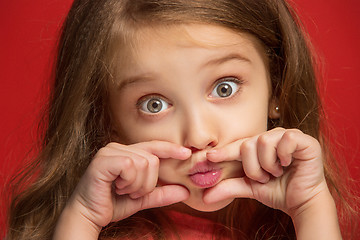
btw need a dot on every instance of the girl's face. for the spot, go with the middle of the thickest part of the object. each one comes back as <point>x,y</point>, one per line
<point>200,86</point>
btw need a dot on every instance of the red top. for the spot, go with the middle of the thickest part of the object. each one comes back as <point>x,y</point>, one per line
<point>190,227</point>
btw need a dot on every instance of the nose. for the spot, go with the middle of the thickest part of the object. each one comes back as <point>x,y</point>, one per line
<point>199,130</point>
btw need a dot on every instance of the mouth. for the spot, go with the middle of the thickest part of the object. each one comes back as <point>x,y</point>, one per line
<point>205,174</point>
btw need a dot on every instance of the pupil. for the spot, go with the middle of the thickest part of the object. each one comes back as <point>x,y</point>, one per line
<point>154,106</point>
<point>224,90</point>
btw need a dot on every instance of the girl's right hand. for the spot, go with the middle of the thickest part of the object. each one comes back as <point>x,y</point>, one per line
<point>121,180</point>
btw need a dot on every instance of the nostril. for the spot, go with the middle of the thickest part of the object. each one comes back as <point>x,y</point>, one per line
<point>212,144</point>
<point>194,149</point>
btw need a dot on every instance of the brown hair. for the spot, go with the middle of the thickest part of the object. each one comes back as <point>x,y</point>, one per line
<point>78,118</point>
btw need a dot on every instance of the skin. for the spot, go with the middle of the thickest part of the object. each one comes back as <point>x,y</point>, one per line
<point>153,152</point>
<point>199,119</point>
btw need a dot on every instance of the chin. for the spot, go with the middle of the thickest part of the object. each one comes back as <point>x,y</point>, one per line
<point>198,204</point>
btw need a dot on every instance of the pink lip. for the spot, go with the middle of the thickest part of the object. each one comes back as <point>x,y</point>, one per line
<point>205,174</point>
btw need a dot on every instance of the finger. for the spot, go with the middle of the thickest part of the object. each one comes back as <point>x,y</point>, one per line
<point>251,163</point>
<point>146,165</point>
<point>160,149</point>
<point>163,149</point>
<point>291,141</point>
<point>126,177</point>
<point>150,180</point>
<point>161,196</point>
<point>266,151</point>
<point>228,189</point>
<point>164,196</point>
<point>108,169</point>
<point>295,144</point>
<point>140,166</point>
<point>151,151</point>
<point>152,176</point>
<point>229,152</point>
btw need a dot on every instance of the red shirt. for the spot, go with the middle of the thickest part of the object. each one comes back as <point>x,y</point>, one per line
<point>189,227</point>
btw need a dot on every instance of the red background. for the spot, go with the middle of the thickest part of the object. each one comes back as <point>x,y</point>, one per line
<point>28,30</point>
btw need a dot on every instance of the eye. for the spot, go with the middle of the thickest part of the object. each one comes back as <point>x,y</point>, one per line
<point>226,87</point>
<point>153,105</point>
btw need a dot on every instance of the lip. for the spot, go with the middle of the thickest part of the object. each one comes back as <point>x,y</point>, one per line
<point>205,174</point>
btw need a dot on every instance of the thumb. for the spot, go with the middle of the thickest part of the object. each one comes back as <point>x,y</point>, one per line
<point>228,189</point>
<point>164,195</point>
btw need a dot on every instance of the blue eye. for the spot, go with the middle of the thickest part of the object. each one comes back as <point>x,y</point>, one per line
<point>226,87</point>
<point>153,105</point>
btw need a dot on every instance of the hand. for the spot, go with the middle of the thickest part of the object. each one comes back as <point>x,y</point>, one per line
<point>283,170</point>
<point>121,180</point>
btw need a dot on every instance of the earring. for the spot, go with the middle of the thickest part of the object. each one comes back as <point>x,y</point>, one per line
<point>277,109</point>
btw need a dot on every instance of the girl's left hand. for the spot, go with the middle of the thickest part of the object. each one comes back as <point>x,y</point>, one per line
<point>283,168</point>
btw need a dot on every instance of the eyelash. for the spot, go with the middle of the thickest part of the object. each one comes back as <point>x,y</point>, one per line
<point>145,99</point>
<point>238,81</point>
<point>140,103</point>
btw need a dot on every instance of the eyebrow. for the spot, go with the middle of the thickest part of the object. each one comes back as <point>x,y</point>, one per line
<point>226,58</point>
<point>217,61</point>
<point>134,79</point>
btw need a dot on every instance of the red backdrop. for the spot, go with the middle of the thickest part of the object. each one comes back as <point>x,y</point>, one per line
<point>28,31</point>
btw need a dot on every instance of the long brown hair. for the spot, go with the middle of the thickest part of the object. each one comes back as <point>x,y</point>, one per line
<point>78,122</point>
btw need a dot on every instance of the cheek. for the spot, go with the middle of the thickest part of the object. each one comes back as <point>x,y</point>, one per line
<point>244,120</point>
<point>167,171</point>
<point>137,130</point>
<point>130,127</point>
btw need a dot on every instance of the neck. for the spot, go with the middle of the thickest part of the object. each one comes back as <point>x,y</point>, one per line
<point>183,208</point>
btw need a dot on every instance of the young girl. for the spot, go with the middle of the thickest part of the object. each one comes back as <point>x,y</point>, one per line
<point>176,119</point>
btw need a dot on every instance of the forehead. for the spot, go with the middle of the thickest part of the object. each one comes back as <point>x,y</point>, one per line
<point>148,43</point>
<point>189,35</point>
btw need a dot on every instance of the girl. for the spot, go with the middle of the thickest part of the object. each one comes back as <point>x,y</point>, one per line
<point>181,120</point>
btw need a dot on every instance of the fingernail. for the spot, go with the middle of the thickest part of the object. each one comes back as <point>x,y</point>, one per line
<point>212,151</point>
<point>185,150</point>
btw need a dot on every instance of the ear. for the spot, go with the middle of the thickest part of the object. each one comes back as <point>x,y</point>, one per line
<point>274,109</point>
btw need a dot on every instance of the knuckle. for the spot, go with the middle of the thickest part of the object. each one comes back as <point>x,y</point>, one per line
<point>109,149</point>
<point>153,161</point>
<point>247,146</point>
<point>102,152</point>
<point>111,144</point>
<point>127,162</point>
<point>279,129</point>
<point>142,163</point>
<point>263,140</point>
<point>114,145</point>
<point>296,130</point>
<point>290,135</point>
